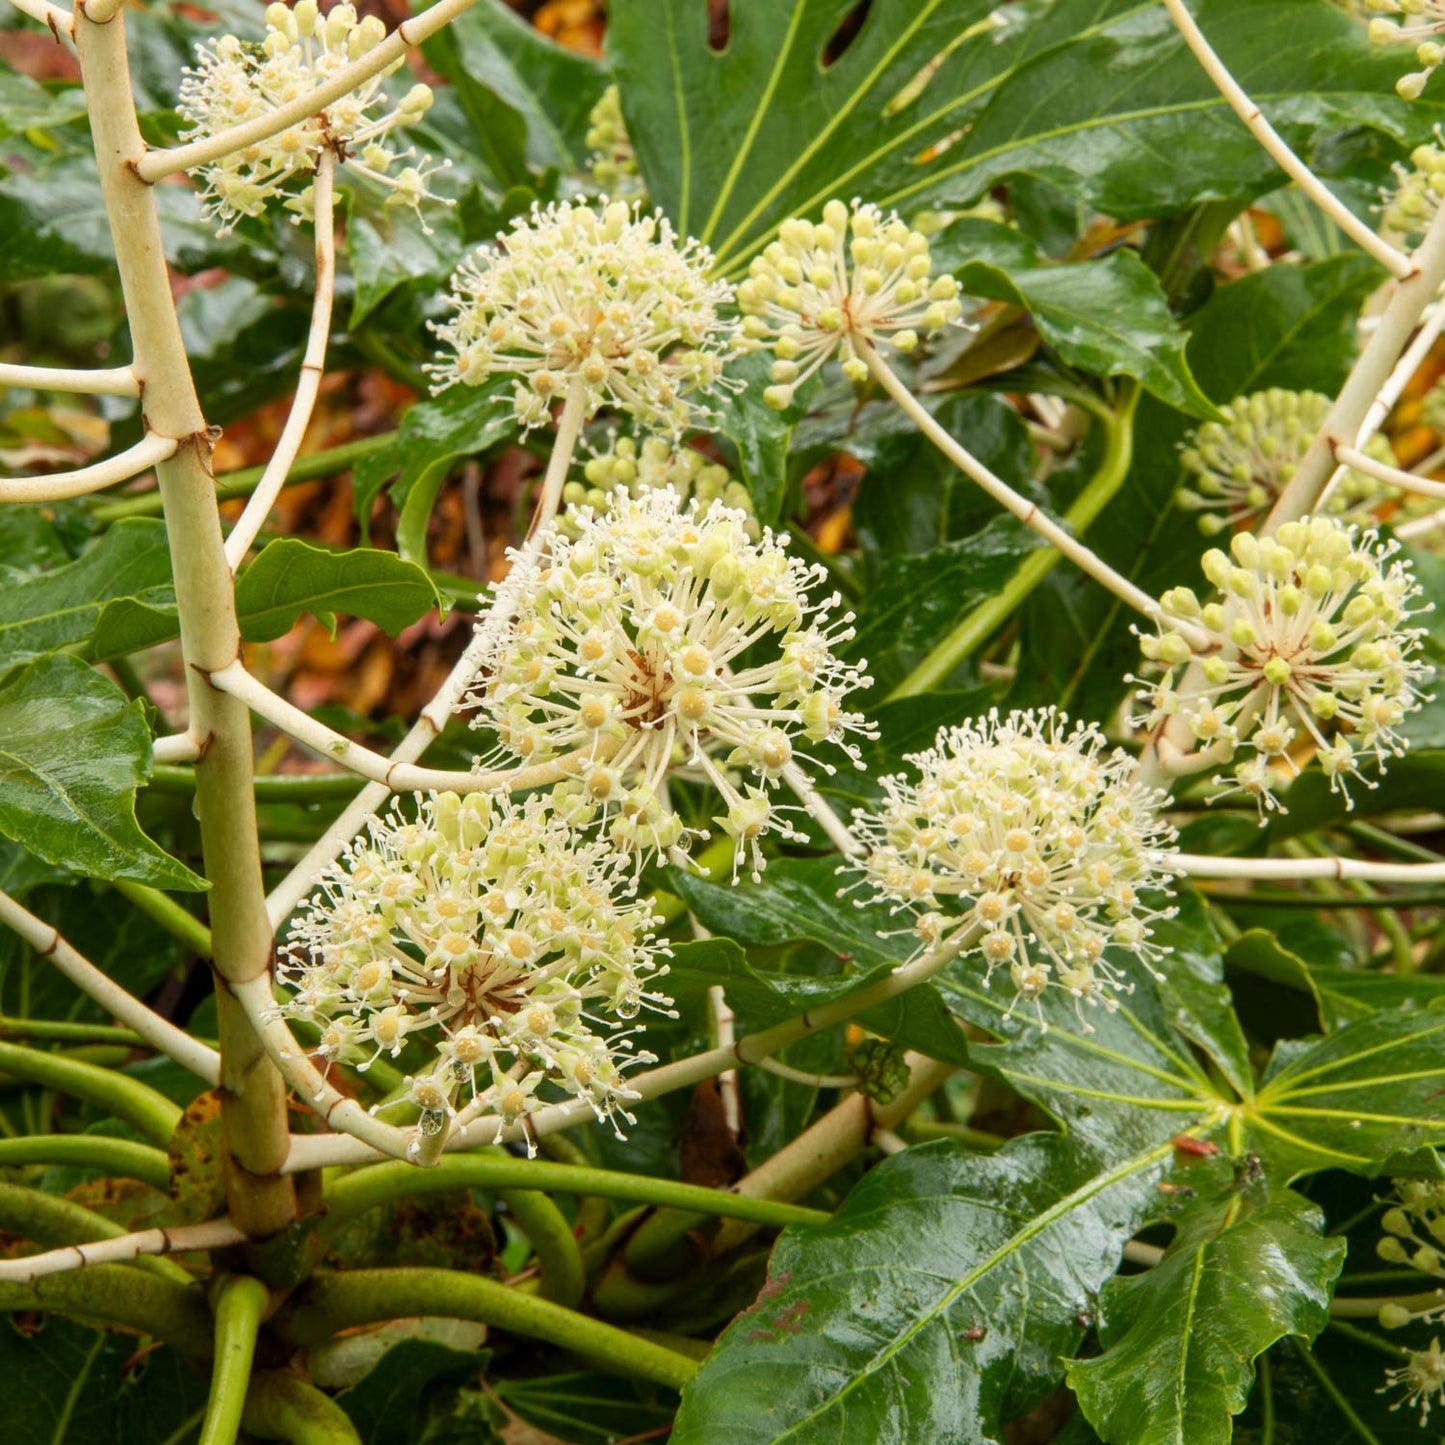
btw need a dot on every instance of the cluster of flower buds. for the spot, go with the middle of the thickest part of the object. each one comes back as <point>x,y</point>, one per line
<point>882,1069</point>
<point>626,644</point>
<point>842,285</point>
<point>1242,463</point>
<point>1028,842</point>
<point>490,939</point>
<point>627,469</point>
<point>1414,1226</point>
<point>613,162</point>
<point>605,298</point>
<point>1420,24</point>
<point>1306,643</point>
<point>236,81</point>
<point>1413,204</point>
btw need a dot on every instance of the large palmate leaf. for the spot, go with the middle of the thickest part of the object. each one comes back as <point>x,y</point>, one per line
<point>1180,1340</point>
<point>74,751</point>
<point>935,1303</point>
<point>936,100</point>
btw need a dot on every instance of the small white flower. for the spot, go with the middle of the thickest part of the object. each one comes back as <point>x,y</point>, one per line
<point>236,81</point>
<point>1308,645</point>
<point>626,469</point>
<point>613,162</point>
<point>662,641</point>
<point>1242,463</point>
<point>853,278</point>
<point>607,296</point>
<point>1420,25</point>
<point>495,935</point>
<point>1421,1377</point>
<point>1032,840</point>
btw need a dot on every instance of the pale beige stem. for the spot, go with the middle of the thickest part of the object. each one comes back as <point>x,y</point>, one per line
<point>1397,263</point>
<point>164,1037</point>
<point>214,1234</point>
<point>308,384</point>
<point>1293,870</point>
<point>60,486</point>
<point>262,1202</point>
<point>53,16</point>
<point>1420,527</point>
<point>117,381</point>
<point>178,748</point>
<point>1406,481</point>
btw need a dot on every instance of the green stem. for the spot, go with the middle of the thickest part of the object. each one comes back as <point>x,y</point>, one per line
<point>168,913</point>
<point>379,1184</point>
<point>239,1302</point>
<point>65,1032</point>
<point>561,1276</point>
<point>282,1406</point>
<point>986,618</point>
<point>272,788</point>
<point>1391,843</point>
<point>116,1294</point>
<point>51,1221</point>
<point>230,485</point>
<point>154,1115</point>
<point>333,1302</point>
<point>592,1214</point>
<point>923,1130</point>
<point>120,1158</point>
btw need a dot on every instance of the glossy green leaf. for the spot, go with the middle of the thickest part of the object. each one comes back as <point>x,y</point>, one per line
<point>388,247</point>
<point>408,1391</point>
<point>74,751</point>
<point>1179,1341</point>
<point>936,1302</point>
<point>1108,317</point>
<point>59,608</point>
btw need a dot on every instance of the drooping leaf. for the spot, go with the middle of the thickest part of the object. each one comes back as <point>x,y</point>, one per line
<point>74,752</point>
<point>1108,317</point>
<point>58,608</point>
<point>1180,1340</point>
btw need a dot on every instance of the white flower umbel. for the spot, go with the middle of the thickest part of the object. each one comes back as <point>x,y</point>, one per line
<point>1414,1236</point>
<point>823,288</point>
<point>1029,836</point>
<point>491,933</point>
<point>612,162</point>
<point>237,81</point>
<point>627,468</point>
<point>1421,1378</point>
<point>1309,645</point>
<point>1420,24</point>
<point>1242,463</point>
<point>608,296</point>
<point>665,641</point>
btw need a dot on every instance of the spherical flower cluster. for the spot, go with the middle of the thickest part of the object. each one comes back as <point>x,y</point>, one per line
<point>1307,642</point>
<point>606,298</point>
<point>842,285</point>
<point>613,162</point>
<point>1421,23</point>
<point>1241,464</point>
<point>236,81</point>
<point>1028,843</point>
<point>662,641</point>
<point>490,932</point>
<point>1413,204</point>
<point>1421,1377</point>
<point>626,469</point>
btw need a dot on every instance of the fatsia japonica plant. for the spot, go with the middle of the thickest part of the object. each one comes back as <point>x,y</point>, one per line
<point>866,862</point>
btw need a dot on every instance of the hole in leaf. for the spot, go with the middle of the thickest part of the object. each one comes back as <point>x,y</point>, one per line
<point>847,32</point>
<point>719,24</point>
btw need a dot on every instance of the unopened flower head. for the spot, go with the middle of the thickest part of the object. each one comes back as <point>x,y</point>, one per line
<point>1242,463</point>
<point>1414,202</point>
<point>1028,842</point>
<point>628,468</point>
<point>236,81</point>
<point>1421,1379</point>
<point>1307,642</point>
<point>842,285</point>
<point>606,298</point>
<point>612,162</point>
<point>493,933</point>
<point>626,645</point>
<point>1421,25</point>
<point>1413,1226</point>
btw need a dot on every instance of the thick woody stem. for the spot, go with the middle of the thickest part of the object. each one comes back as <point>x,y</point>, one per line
<point>161,163</point>
<point>116,381</point>
<point>262,1202</point>
<point>1395,262</point>
<point>59,486</point>
<point>273,479</point>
